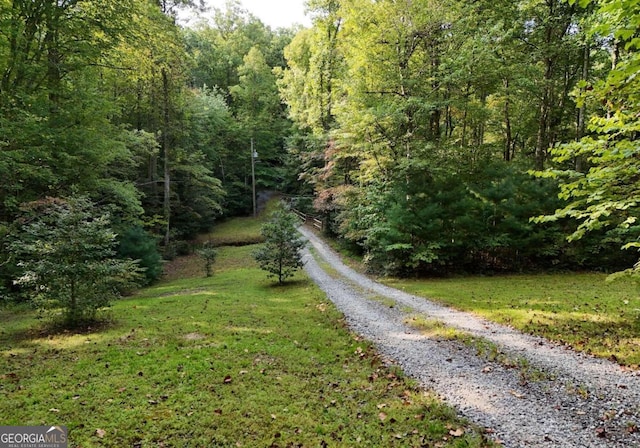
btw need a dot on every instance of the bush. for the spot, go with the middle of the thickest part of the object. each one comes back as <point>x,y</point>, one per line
<point>66,250</point>
<point>208,253</point>
<point>476,221</point>
<point>138,244</point>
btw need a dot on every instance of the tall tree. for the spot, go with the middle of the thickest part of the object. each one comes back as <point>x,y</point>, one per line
<point>428,99</point>
<point>606,196</point>
<point>260,112</point>
<point>55,115</point>
<point>549,32</point>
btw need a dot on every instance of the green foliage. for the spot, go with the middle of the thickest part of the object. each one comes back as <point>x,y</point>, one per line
<point>8,270</point>
<point>280,253</point>
<point>237,54</point>
<point>605,196</point>
<point>198,196</point>
<point>226,360</point>
<point>415,105</point>
<point>55,118</point>
<point>65,249</point>
<point>475,221</point>
<point>137,244</point>
<point>208,253</point>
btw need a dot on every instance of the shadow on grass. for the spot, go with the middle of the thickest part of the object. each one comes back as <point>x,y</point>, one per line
<point>50,327</point>
<point>617,340</point>
<point>288,284</point>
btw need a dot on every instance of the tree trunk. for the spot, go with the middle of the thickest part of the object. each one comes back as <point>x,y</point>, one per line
<point>165,152</point>
<point>542,140</point>
<point>508,137</point>
<point>582,111</point>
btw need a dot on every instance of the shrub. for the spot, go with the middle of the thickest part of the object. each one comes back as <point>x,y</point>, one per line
<point>208,253</point>
<point>137,244</point>
<point>66,250</point>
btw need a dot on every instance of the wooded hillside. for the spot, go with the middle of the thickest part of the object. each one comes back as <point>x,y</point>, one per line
<point>433,136</point>
<point>432,132</point>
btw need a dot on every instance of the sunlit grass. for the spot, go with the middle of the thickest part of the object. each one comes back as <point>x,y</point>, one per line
<point>236,231</point>
<point>582,310</point>
<point>225,361</point>
<point>241,230</point>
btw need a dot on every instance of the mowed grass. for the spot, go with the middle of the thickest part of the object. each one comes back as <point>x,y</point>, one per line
<point>582,310</point>
<point>226,361</point>
<point>234,232</point>
<point>240,231</point>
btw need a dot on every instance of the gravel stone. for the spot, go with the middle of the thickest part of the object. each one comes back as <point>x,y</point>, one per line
<point>577,400</point>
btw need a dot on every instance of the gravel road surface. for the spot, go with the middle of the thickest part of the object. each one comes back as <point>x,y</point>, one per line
<point>533,394</point>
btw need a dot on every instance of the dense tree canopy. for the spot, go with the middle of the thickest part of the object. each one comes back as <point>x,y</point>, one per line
<point>419,122</point>
<point>415,125</point>
<point>605,194</point>
<point>116,102</point>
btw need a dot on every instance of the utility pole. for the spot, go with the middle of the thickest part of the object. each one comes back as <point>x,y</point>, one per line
<point>254,154</point>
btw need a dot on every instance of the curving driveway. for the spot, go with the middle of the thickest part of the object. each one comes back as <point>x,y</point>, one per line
<point>544,395</point>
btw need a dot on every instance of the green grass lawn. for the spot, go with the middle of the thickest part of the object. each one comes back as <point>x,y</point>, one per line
<point>238,231</point>
<point>231,360</point>
<point>582,310</point>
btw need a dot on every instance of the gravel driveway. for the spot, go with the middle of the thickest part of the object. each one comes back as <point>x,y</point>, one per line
<point>551,397</point>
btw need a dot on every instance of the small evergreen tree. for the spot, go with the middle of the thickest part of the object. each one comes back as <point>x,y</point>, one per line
<point>280,254</point>
<point>208,253</point>
<point>66,250</point>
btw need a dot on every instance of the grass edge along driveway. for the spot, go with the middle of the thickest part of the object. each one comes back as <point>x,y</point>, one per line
<point>231,360</point>
<point>581,310</point>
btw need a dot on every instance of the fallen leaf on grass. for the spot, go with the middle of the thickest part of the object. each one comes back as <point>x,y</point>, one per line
<point>227,379</point>
<point>101,433</point>
<point>382,416</point>
<point>457,433</point>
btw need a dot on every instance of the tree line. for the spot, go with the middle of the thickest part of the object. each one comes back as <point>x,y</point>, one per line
<point>433,136</point>
<point>441,136</point>
<point>117,107</point>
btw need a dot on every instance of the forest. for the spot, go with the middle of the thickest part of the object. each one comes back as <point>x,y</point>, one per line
<point>432,137</point>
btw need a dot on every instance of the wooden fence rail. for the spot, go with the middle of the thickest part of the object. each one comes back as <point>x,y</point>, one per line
<point>308,219</point>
